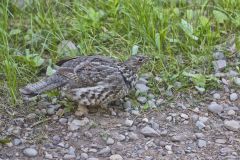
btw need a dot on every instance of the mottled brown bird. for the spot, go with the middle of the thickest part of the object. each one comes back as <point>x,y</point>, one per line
<point>91,80</point>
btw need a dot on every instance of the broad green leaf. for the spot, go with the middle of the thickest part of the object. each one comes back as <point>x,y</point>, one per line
<point>157,40</point>
<point>14,32</point>
<point>50,71</point>
<point>220,16</point>
<point>38,61</point>
<point>190,14</point>
<point>135,49</point>
<point>204,20</point>
<point>188,29</point>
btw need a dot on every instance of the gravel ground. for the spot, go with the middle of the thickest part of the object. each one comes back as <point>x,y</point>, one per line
<point>190,126</point>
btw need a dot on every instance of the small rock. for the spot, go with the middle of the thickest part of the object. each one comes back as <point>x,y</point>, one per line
<point>142,100</point>
<point>135,112</point>
<point>169,118</point>
<point>203,119</point>
<point>104,151</point>
<point>232,125</point>
<point>218,55</point>
<point>56,139</point>
<point>215,108</point>
<point>115,157</point>
<point>110,141</point>
<point>237,81</point>
<point>149,132</point>
<point>50,111</point>
<point>232,73</point>
<point>226,150</point>
<point>133,136</point>
<point>199,135</point>
<point>69,156</point>
<point>219,65</point>
<point>178,138</point>
<point>17,141</point>
<point>201,143</point>
<point>127,104</point>
<point>216,96</point>
<point>30,152</point>
<point>231,112</point>
<point>84,156</point>
<point>76,124</point>
<point>128,122</point>
<point>31,116</point>
<point>145,120</point>
<point>92,159</point>
<point>48,156</point>
<point>233,96</point>
<point>120,137</point>
<point>221,141</point>
<point>142,88</point>
<point>200,125</point>
<point>71,150</point>
<point>194,117</point>
<point>185,116</point>
<point>63,120</point>
<point>168,147</point>
<point>88,134</point>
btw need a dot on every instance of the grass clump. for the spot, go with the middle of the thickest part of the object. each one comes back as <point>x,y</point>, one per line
<point>179,35</point>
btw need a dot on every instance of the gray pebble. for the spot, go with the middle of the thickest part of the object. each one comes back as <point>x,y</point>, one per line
<point>215,108</point>
<point>56,139</point>
<point>216,96</point>
<point>142,100</point>
<point>48,156</point>
<point>71,150</point>
<point>76,124</point>
<point>104,151</point>
<point>63,120</point>
<point>237,81</point>
<point>127,104</point>
<point>128,122</point>
<point>201,143</point>
<point>184,116</point>
<point>199,135</point>
<point>178,138</point>
<point>233,96</point>
<point>50,111</point>
<point>116,157</point>
<point>17,141</point>
<point>30,152</point>
<point>149,132</point>
<point>200,125</point>
<point>69,156</point>
<point>132,136</point>
<point>142,88</point>
<point>92,158</point>
<point>220,141</point>
<point>232,125</point>
<point>231,112</point>
<point>218,55</point>
<point>84,156</point>
<point>219,65</point>
<point>110,141</point>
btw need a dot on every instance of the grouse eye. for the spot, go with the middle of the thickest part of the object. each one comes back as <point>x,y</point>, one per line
<point>140,60</point>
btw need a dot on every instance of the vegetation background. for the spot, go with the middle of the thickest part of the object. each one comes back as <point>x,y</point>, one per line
<point>180,35</point>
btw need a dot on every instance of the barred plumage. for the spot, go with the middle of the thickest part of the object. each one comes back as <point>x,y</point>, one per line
<point>91,80</point>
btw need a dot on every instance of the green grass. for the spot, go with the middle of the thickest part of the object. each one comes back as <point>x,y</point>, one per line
<point>179,34</point>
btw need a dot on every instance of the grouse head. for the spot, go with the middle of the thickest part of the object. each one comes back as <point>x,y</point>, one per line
<point>136,61</point>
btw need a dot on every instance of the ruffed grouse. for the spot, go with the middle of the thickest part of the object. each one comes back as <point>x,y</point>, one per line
<point>91,80</point>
